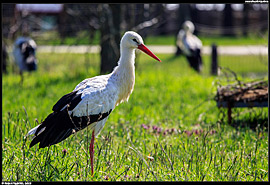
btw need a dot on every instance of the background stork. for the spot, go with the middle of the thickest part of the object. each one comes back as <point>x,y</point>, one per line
<point>190,45</point>
<point>24,52</point>
<point>92,100</point>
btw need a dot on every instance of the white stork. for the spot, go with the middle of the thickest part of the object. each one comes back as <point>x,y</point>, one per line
<point>24,52</point>
<point>92,100</point>
<point>190,45</point>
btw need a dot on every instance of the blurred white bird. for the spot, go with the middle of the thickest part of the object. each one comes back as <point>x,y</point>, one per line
<point>24,52</point>
<point>190,45</point>
<point>91,102</point>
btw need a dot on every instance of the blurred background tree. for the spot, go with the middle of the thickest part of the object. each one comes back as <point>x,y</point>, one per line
<point>73,24</point>
<point>110,20</point>
<point>228,21</point>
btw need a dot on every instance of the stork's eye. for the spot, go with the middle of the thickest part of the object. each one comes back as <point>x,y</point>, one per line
<point>135,41</point>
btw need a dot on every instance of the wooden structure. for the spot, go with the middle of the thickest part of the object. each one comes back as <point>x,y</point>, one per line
<point>214,60</point>
<point>254,94</point>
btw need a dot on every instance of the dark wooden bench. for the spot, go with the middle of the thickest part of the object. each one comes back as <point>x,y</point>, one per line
<point>249,95</point>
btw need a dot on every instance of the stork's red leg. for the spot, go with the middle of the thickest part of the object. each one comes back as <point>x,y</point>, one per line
<point>91,151</point>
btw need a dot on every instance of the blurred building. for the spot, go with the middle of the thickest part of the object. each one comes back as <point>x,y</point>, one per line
<point>26,18</point>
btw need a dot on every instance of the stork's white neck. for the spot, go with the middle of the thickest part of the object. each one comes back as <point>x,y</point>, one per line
<point>125,74</point>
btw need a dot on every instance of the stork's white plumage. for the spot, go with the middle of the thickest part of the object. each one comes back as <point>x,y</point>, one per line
<point>91,102</point>
<point>190,45</point>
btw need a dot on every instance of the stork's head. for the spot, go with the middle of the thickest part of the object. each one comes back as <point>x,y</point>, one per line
<point>133,40</point>
<point>188,26</point>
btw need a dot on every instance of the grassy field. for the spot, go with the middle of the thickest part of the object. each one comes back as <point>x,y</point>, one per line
<point>170,129</point>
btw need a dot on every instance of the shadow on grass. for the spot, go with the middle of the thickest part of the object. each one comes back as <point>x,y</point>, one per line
<point>253,123</point>
<point>252,118</point>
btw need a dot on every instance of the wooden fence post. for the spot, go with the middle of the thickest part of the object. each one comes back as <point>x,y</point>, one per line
<point>214,61</point>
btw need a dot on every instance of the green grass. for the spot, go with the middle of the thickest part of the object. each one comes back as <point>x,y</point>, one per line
<point>167,95</point>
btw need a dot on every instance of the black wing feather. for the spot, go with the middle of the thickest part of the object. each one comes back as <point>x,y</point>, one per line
<point>71,99</point>
<point>60,125</point>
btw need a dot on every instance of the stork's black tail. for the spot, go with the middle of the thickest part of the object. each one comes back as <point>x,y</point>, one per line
<point>54,129</point>
<point>195,61</point>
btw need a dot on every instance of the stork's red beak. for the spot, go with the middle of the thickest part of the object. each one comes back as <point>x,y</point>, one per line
<point>143,48</point>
